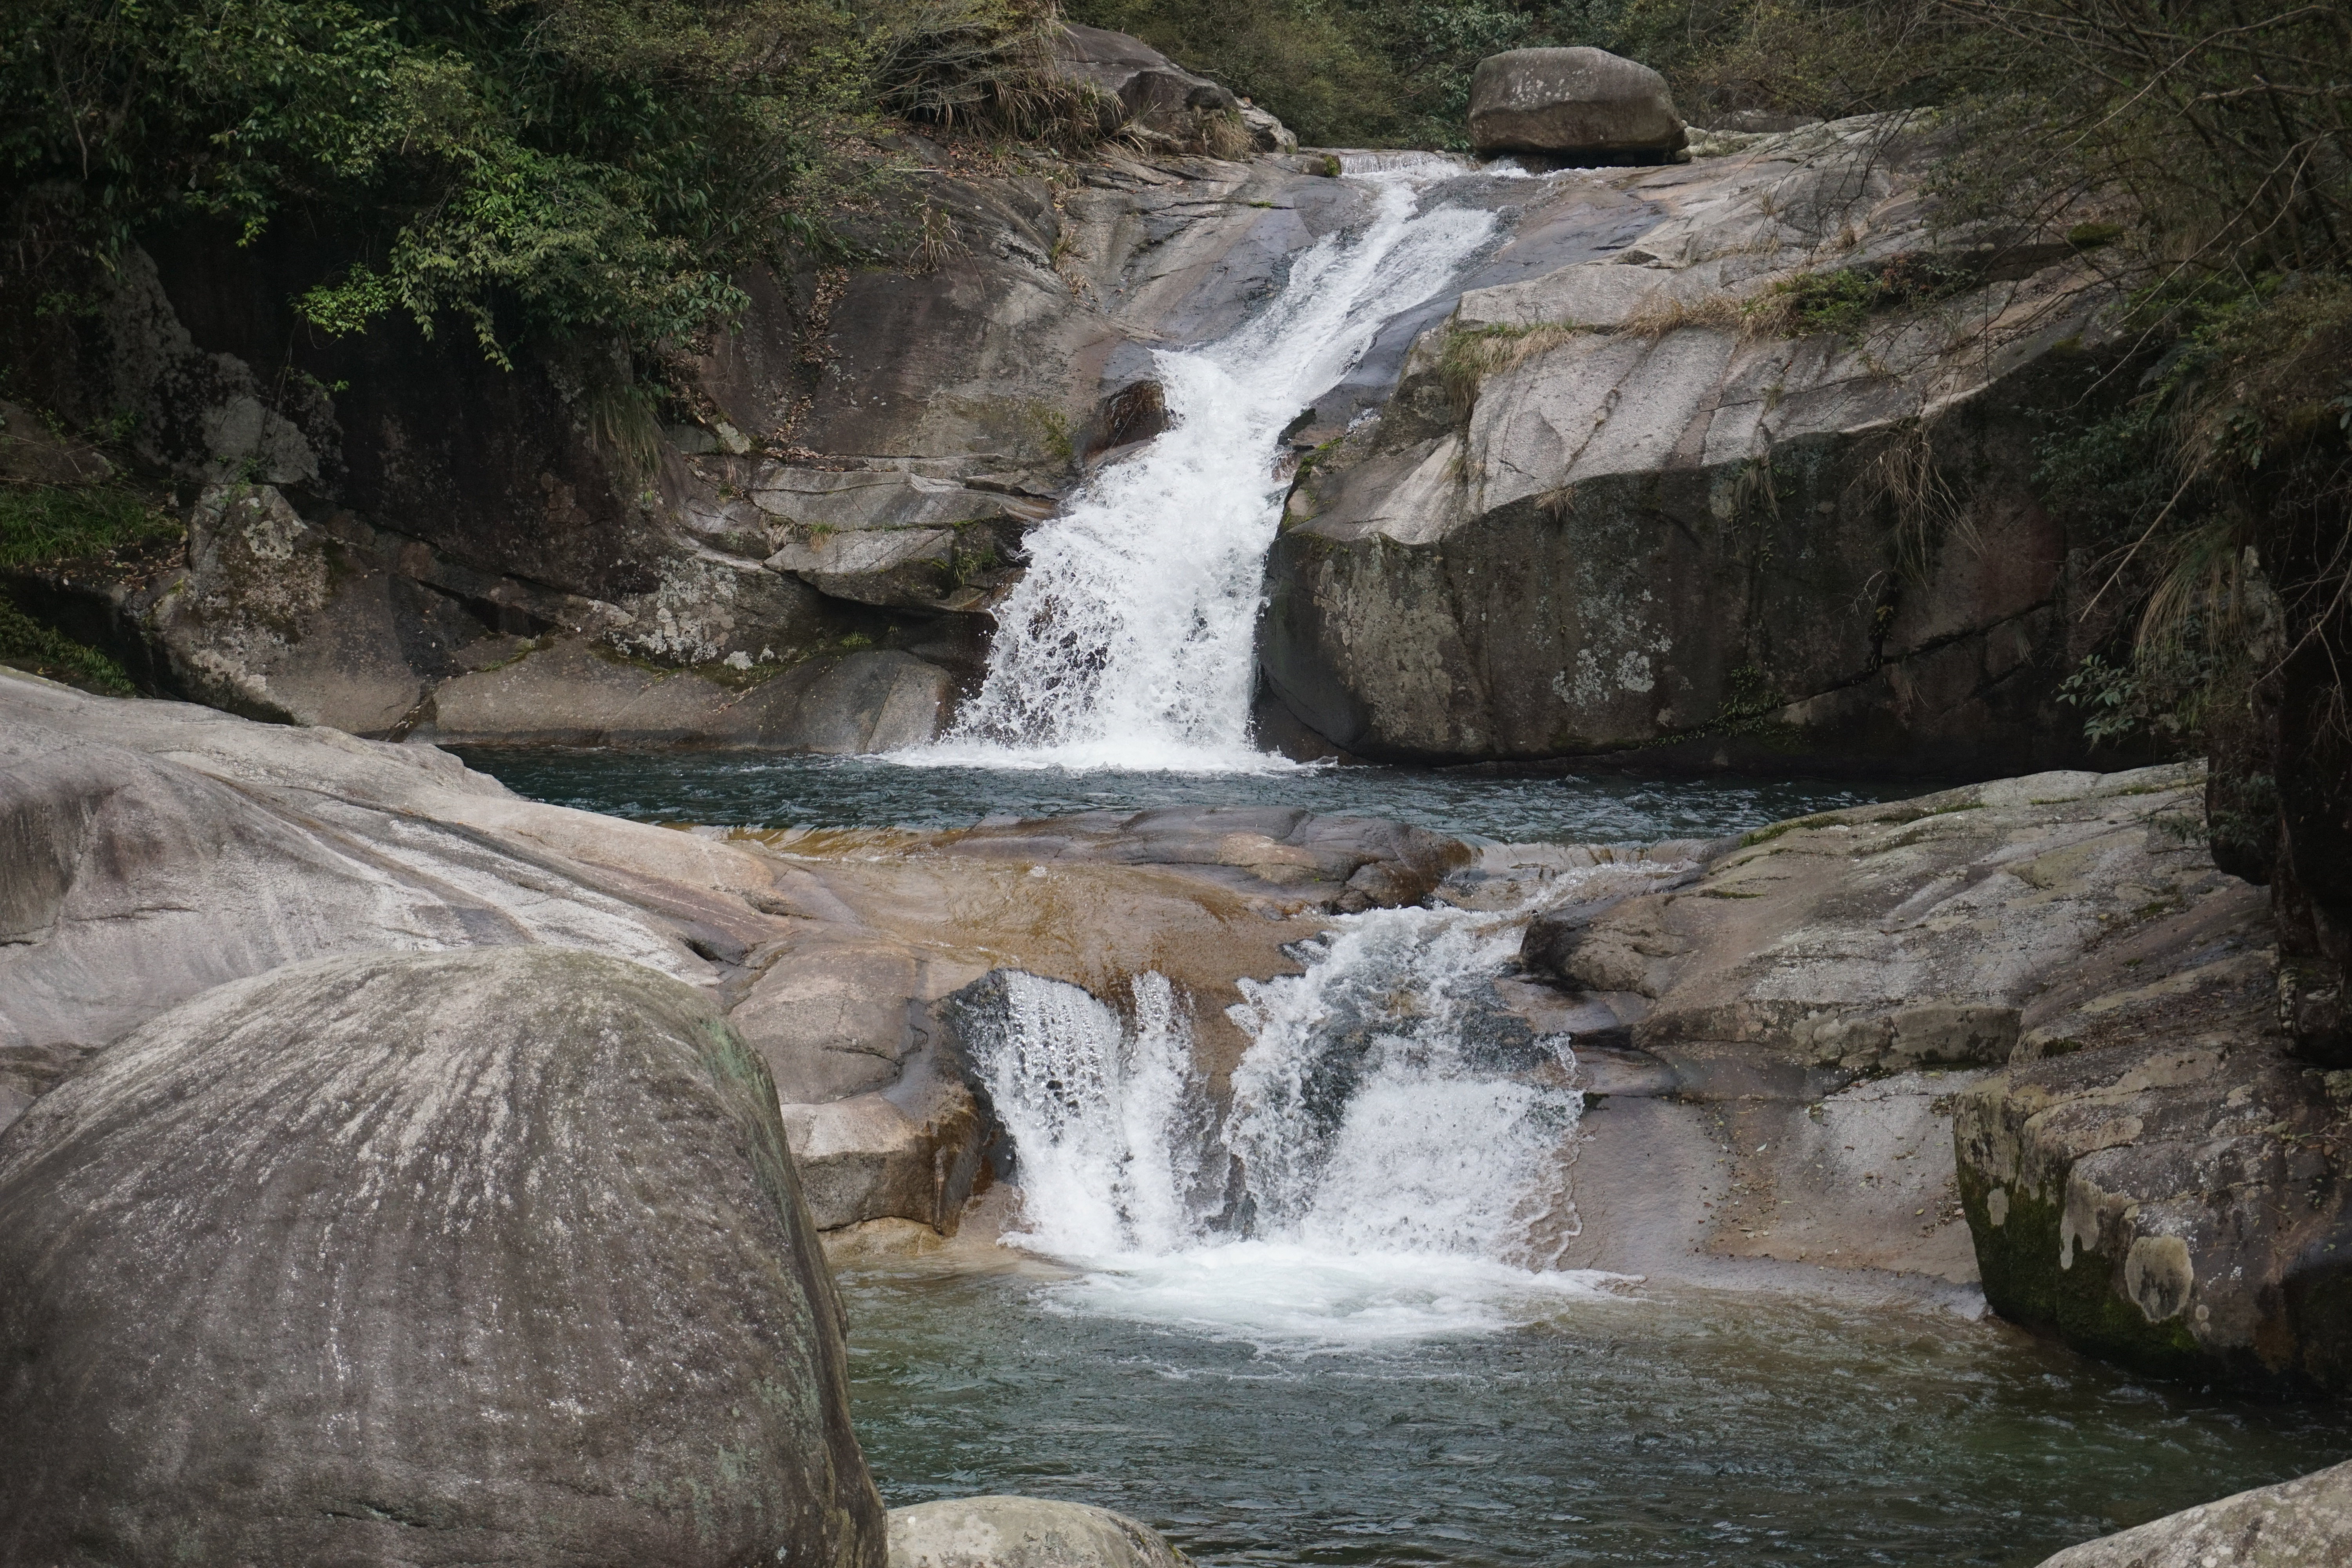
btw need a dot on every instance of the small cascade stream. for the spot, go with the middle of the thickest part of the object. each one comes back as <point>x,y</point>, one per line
<point>1128,644</point>
<point>1392,1161</point>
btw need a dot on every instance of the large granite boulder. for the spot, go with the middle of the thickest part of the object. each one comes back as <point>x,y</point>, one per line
<point>2021,1032</point>
<point>152,850</point>
<point>441,1258</point>
<point>1023,1532</point>
<point>1580,106</point>
<point>2302,1523</point>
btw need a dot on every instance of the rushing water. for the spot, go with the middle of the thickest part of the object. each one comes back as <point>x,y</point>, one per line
<point>1321,1330</point>
<point>1127,642</point>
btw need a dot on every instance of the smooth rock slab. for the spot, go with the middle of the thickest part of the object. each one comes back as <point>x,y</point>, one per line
<point>492,1256</point>
<point>1024,1532</point>
<point>2302,1523</point>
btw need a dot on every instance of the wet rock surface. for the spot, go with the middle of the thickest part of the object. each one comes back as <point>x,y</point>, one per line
<point>2301,1523</point>
<point>437,1259</point>
<point>1023,1532</point>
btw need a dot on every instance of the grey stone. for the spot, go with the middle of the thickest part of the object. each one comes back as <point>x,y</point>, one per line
<point>1578,104</point>
<point>576,693</point>
<point>1644,525</point>
<point>1154,95</point>
<point>1023,1532</point>
<point>2302,1523</point>
<point>151,850</point>
<point>437,1258</point>
<point>271,621</point>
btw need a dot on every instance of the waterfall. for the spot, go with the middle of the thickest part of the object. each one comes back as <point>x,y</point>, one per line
<point>1128,641</point>
<point>1393,1159</point>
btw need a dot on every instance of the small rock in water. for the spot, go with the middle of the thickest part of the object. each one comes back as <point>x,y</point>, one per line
<point>1024,1532</point>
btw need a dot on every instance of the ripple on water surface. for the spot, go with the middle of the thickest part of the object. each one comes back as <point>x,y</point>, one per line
<point>1592,1428</point>
<point>752,789</point>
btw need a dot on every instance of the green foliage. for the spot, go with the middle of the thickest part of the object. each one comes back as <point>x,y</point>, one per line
<point>44,524</point>
<point>27,643</point>
<point>1840,302</point>
<point>596,168</point>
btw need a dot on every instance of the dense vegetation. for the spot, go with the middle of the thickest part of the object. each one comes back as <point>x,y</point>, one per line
<point>510,166</point>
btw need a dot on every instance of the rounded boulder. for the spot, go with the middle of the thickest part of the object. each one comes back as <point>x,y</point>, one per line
<point>1580,105</point>
<point>485,1257</point>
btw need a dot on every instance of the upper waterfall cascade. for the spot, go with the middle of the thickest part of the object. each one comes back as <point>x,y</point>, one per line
<point>1129,642</point>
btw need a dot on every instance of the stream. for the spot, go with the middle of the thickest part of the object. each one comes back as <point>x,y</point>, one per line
<point>1316,1321</point>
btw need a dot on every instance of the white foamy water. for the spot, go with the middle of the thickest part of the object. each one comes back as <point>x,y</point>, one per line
<point>1129,642</point>
<point>1393,1162</point>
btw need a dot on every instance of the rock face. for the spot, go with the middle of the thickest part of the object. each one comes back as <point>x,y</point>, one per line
<point>435,1259</point>
<point>1580,106</point>
<point>1609,507</point>
<point>2079,1012</point>
<point>393,537</point>
<point>1023,1532</point>
<point>1158,99</point>
<point>2301,1523</point>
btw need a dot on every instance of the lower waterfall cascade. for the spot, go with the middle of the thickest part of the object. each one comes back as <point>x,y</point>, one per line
<point>1393,1159</point>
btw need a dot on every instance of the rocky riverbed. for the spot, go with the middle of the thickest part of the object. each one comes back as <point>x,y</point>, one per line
<point>1897,1053</point>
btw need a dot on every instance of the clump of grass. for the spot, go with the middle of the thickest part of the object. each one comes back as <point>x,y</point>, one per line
<point>44,524</point>
<point>1716,311</point>
<point>48,652</point>
<point>1469,357</point>
<point>1840,302</point>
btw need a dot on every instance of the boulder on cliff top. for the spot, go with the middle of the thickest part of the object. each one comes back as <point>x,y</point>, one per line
<point>1584,105</point>
<point>1159,96</point>
<point>2307,1520</point>
<point>461,1257</point>
<point>1023,1532</point>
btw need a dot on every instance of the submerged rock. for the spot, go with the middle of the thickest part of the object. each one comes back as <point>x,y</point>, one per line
<point>437,1258</point>
<point>2302,1523</point>
<point>1581,106</point>
<point>1024,1532</point>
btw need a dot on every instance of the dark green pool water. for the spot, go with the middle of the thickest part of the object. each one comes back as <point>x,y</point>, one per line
<point>741,789</point>
<point>1692,1427</point>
